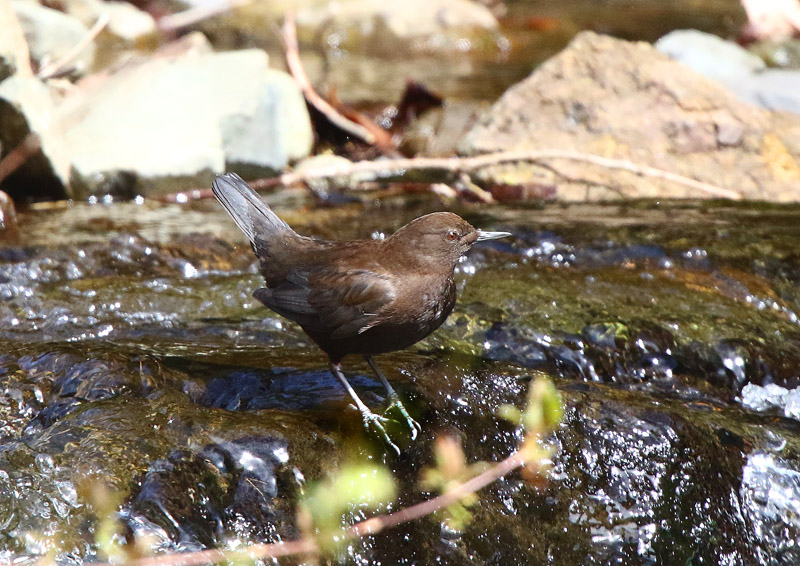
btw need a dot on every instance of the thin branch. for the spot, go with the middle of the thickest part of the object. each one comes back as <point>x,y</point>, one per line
<point>19,155</point>
<point>653,172</point>
<point>466,185</point>
<point>454,166</point>
<point>443,190</point>
<point>398,167</point>
<point>174,22</point>
<point>289,36</point>
<point>54,68</point>
<point>381,522</point>
<point>364,528</point>
<point>253,552</point>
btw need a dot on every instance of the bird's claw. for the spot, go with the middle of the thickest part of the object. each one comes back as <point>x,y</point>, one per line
<point>414,426</point>
<point>377,422</point>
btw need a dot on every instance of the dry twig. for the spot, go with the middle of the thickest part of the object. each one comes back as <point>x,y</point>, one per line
<point>454,166</point>
<point>55,68</point>
<point>398,167</point>
<point>431,506</point>
<point>19,155</point>
<point>289,36</point>
<point>364,528</point>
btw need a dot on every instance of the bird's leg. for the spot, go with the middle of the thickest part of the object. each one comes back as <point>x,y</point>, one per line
<point>394,398</point>
<point>369,417</point>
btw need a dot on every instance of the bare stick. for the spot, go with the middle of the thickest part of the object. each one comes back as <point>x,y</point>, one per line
<point>191,16</point>
<point>19,155</point>
<point>398,167</point>
<point>253,552</point>
<point>647,171</point>
<point>54,68</point>
<point>368,527</point>
<point>466,185</point>
<point>289,33</point>
<point>453,166</point>
<point>381,522</point>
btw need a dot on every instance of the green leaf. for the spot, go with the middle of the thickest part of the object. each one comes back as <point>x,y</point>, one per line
<point>356,485</point>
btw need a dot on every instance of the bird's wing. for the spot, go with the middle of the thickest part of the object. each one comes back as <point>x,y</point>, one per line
<point>341,303</point>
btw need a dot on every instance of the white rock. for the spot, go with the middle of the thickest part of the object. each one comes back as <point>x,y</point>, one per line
<point>128,22</point>
<point>52,34</point>
<point>709,55</point>
<point>188,115</point>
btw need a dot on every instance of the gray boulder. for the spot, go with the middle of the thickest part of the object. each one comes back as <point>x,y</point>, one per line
<point>173,122</point>
<point>710,55</point>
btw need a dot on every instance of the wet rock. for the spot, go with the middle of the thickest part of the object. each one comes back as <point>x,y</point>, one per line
<point>233,487</point>
<point>629,473</point>
<point>592,98</point>
<point>52,34</point>
<point>769,492</point>
<point>246,390</point>
<point>14,53</point>
<point>186,117</point>
<point>600,353</point>
<point>165,495</point>
<point>65,383</point>
<point>737,69</point>
<point>236,420</point>
<point>26,108</point>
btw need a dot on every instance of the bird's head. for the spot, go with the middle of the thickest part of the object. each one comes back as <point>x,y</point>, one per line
<point>440,237</point>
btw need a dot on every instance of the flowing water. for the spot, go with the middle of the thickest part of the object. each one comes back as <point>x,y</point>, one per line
<point>132,351</point>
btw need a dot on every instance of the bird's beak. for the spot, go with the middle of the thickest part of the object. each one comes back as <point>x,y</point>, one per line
<point>483,235</point>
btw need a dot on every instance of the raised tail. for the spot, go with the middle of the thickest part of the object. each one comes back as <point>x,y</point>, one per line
<point>248,210</point>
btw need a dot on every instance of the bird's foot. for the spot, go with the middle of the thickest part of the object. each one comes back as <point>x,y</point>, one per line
<point>376,422</point>
<point>414,426</point>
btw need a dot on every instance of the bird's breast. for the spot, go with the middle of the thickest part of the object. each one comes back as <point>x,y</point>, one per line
<point>435,304</point>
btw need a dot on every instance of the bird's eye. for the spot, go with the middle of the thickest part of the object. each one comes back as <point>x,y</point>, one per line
<point>452,235</point>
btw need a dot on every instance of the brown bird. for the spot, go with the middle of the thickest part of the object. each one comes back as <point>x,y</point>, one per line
<point>357,297</point>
